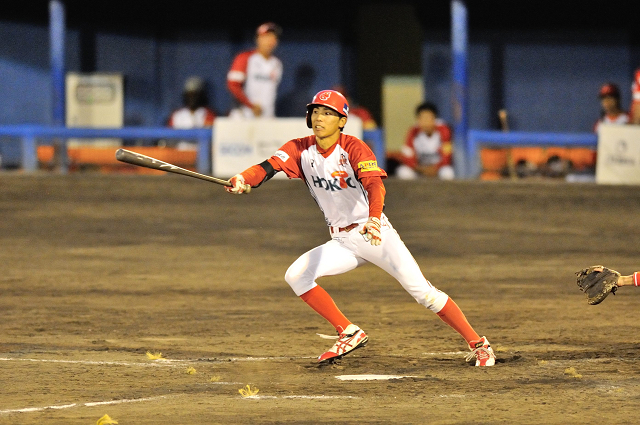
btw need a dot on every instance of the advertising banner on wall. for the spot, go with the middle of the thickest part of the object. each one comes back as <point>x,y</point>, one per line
<point>240,143</point>
<point>618,160</point>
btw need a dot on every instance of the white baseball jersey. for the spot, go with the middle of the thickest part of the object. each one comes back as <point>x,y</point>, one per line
<point>333,176</point>
<point>260,77</point>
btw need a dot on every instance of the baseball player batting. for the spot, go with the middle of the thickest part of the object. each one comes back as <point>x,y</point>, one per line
<point>344,178</point>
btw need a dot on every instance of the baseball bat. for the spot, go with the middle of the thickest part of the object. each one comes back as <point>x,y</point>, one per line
<point>141,160</point>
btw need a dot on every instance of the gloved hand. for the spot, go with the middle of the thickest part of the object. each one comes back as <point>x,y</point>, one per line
<point>239,187</point>
<point>371,231</point>
<point>597,282</point>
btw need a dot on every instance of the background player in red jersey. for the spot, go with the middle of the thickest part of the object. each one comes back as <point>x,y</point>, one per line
<point>255,75</point>
<point>634,111</point>
<point>343,177</point>
<point>611,112</point>
<point>427,150</point>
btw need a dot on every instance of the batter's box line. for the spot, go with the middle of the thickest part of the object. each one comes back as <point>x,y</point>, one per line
<point>89,404</point>
<point>155,363</point>
<point>93,362</point>
<point>305,397</point>
<point>250,359</point>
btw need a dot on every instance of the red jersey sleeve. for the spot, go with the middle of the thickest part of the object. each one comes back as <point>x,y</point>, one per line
<point>446,148</point>
<point>362,159</point>
<point>209,118</point>
<point>375,192</point>
<point>408,151</point>
<point>287,158</point>
<point>237,75</point>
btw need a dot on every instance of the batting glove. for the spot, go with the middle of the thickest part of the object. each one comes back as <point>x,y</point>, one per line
<point>238,183</point>
<point>371,231</point>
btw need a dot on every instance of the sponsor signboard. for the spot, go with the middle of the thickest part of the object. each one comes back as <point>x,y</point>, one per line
<point>618,160</point>
<point>240,143</point>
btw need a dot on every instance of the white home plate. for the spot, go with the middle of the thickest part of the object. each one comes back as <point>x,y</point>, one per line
<point>371,377</point>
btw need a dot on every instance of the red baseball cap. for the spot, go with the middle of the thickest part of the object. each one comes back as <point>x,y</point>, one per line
<point>269,27</point>
<point>609,89</point>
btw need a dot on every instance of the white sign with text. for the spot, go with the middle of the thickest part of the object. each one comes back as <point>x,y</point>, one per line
<point>240,143</point>
<point>618,160</point>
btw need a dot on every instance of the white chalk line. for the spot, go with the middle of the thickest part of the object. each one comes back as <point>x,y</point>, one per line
<point>305,397</point>
<point>154,363</point>
<point>90,362</point>
<point>90,404</point>
<point>255,359</point>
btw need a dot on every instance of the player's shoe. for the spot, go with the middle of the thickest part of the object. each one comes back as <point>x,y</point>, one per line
<point>483,353</point>
<point>349,339</point>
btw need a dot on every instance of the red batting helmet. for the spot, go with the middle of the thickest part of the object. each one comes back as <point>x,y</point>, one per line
<point>609,89</point>
<point>331,99</point>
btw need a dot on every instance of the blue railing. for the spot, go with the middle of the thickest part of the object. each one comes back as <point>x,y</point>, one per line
<point>31,134</point>
<point>476,138</point>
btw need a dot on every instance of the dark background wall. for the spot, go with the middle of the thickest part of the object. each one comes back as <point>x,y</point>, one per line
<point>544,65</point>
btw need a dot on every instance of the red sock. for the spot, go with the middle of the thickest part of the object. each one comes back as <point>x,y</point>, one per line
<point>454,317</point>
<point>319,300</point>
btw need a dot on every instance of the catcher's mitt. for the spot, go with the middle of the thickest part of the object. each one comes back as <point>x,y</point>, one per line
<point>597,282</point>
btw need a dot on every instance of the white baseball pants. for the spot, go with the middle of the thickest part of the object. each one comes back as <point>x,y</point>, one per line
<point>348,250</point>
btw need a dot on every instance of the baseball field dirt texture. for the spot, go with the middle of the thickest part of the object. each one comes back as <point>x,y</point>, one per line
<point>153,299</point>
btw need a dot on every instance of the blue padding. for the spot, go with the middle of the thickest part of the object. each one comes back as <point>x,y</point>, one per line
<point>375,139</point>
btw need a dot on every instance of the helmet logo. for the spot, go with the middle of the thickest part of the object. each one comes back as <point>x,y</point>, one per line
<point>325,95</point>
<point>345,109</point>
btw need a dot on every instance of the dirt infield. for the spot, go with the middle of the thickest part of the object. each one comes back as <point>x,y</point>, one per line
<point>98,270</point>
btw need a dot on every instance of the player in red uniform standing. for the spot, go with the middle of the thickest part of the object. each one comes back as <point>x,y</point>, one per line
<point>255,75</point>
<point>612,112</point>
<point>427,150</point>
<point>634,112</point>
<point>343,177</point>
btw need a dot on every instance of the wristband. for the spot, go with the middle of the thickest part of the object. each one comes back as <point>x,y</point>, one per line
<point>636,278</point>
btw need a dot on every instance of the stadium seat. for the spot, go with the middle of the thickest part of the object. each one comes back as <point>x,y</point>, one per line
<point>104,159</point>
<point>493,162</point>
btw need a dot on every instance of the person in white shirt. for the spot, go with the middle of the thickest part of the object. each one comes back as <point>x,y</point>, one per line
<point>255,75</point>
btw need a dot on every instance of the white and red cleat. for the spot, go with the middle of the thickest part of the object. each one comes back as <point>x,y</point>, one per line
<point>349,339</point>
<point>483,353</point>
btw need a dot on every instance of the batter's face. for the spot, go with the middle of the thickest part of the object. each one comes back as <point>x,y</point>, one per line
<point>325,122</point>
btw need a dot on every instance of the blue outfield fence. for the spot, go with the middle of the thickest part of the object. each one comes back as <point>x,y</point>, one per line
<point>477,138</point>
<point>30,136</point>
